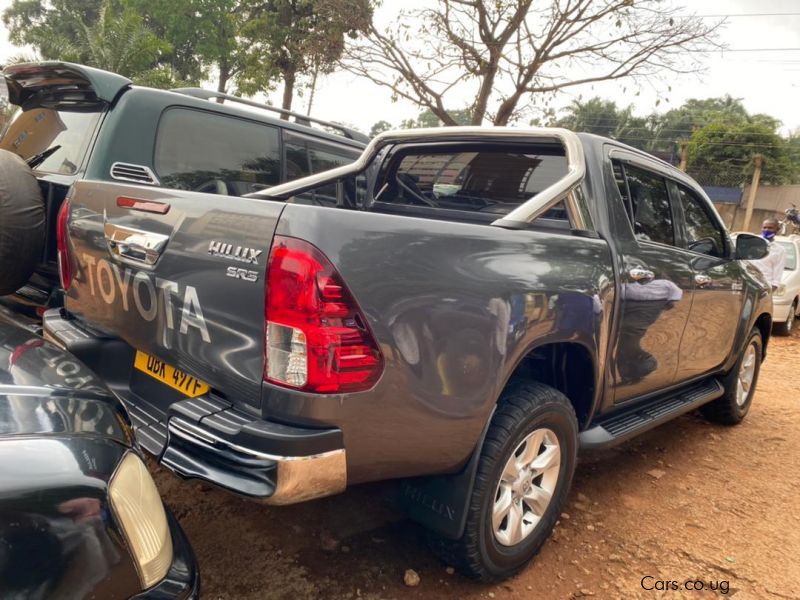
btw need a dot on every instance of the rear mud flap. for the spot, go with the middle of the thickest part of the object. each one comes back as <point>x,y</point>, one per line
<point>440,502</point>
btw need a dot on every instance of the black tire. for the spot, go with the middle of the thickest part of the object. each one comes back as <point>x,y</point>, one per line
<point>22,222</point>
<point>727,409</point>
<point>787,326</point>
<point>522,409</point>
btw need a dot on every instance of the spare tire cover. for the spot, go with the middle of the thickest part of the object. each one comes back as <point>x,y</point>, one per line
<point>22,222</point>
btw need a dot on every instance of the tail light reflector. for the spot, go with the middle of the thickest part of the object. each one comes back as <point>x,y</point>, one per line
<point>64,265</point>
<point>316,337</point>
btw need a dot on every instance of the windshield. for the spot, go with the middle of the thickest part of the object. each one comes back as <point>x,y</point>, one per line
<point>33,131</point>
<point>791,256</point>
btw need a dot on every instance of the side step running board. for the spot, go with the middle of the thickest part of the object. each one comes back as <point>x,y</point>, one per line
<point>625,425</point>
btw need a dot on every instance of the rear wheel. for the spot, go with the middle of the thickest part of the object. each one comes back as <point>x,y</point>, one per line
<point>22,222</point>
<point>786,327</point>
<point>524,474</point>
<point>740,385</point>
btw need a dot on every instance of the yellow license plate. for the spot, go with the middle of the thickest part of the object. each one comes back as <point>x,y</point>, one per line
<point>174,378</point>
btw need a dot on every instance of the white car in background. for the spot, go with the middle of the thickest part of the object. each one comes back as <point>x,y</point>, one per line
<point>786,299</point>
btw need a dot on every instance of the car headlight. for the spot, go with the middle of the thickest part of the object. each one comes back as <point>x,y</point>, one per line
<point>137,506</point>
<point>780,291</point>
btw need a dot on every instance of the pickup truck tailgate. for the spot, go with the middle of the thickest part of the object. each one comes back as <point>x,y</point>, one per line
<point>177,275</point>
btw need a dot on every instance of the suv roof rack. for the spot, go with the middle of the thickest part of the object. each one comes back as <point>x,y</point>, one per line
<point>342,130</point>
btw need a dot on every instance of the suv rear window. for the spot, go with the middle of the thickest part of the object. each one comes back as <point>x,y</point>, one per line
<point>488,181</point>
<point>207,152</point>
<point>36,130</point>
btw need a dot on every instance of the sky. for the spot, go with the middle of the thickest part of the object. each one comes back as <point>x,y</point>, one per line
<point>767,81</point>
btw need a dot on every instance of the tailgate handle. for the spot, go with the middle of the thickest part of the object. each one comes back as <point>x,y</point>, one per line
<point>135,245</point>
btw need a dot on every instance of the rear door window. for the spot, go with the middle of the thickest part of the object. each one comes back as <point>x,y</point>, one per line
<point>203,151</point>
<point>649,208</point>
<point>64,134</point>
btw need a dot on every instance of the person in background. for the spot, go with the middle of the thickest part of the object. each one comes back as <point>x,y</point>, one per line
<point>773,263</point>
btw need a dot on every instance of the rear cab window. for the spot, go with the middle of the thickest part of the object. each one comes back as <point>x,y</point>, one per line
<point>476,183</point>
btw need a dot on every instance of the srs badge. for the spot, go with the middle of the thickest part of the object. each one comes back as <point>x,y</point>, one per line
<point>245,274</point>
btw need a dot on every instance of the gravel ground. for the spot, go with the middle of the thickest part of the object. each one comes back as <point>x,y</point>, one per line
<point>687,501</point>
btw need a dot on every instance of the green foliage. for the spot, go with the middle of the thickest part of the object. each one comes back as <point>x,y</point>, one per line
<point>162,77</point>
<point>120,43</point>
<point>159,42</point>
<point>679,123</point>
<point>603,117</point>
<point>289,39</point>
<point>380,127</point>
<point>793,152</point>
<point>203,34</point>
<point>46,25</point>
<point>95,33</point>
<point>722,136</point>
<point>721,153</point>
<point>427,118</point>
<point>248,44</point>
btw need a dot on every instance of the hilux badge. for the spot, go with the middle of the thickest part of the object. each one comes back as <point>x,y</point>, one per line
<point>237,253</point>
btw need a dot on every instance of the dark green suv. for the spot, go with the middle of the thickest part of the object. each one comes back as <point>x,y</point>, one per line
<point>187,139</point>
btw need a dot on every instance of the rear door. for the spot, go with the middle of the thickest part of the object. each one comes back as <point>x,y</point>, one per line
<point>179,273</point>
<point>656,283</point>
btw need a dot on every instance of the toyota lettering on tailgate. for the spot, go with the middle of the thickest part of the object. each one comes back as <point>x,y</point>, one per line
<point>151,295</point>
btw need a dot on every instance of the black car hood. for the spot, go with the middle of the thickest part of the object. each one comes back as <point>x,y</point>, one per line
<point>46,391</point>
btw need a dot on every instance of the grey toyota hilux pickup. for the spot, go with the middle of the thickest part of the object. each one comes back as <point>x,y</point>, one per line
<point>463,312</point>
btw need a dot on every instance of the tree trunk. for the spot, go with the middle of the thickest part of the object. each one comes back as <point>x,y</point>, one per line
<point>482,101</point>
<point>224,77</point>
<point>313,89</point>
<point>507,108</point>
<point>288,91</point>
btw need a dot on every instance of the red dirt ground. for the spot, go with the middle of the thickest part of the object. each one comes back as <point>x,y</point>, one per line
<point>687,501</point>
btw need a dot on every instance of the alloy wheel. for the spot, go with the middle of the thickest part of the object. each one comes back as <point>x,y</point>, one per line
<point>747,371</point>
<point>526,487</point>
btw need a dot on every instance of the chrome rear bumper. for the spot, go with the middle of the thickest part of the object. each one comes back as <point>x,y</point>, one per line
<point>194,452</point>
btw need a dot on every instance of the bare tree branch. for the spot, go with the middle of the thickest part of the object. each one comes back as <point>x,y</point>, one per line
<point>512,49</point>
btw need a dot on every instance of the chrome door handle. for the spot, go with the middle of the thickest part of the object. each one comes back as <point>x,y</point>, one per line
<point>702,280</point>
<point>639,274</point>
<point>135,245</point>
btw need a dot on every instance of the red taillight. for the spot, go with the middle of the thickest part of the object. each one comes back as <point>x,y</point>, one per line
<point>64,265</point>
<point>316,338</point>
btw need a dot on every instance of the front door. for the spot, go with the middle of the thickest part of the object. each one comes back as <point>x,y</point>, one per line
<point>718,296</point>
<point>657,284</point>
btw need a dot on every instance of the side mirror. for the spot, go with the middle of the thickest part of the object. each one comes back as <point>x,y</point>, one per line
<point>750,247</point>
